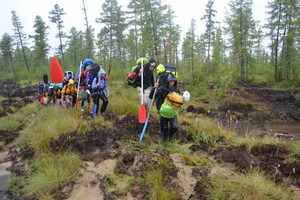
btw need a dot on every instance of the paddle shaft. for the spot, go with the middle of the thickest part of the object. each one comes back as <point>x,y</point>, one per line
<point>78,84</point>
<point>142,82</point>
<point>148,115</point>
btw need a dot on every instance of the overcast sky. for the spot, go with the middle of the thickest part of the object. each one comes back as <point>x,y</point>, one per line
<point>27,10</point>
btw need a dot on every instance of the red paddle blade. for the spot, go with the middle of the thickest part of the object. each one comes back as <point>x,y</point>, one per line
<point>142,114</point>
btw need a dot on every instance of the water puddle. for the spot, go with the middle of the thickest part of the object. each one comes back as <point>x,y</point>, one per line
<point>280,129</point>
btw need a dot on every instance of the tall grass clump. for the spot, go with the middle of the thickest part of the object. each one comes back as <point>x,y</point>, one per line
<point>252,186</point>
<point>294,150</point>
<point>15,121</point>
<point>206,131</point>
<point>157,190</point>
<point>250,141</point>
<point>51,172</point>
<point>125,99</point>
<point>49,124</point>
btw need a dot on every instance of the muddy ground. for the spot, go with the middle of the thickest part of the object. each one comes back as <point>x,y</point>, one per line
<point>102,148</point>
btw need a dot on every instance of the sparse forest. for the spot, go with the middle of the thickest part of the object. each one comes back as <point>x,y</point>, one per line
<point>147,28</point>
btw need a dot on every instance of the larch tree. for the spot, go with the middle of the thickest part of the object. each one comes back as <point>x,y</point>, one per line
<point>41,47</point>
<point>210,27</point>
<point>241,32</point>
<point>282,30</point>
<point>89,35</point>
<point>189,46</point>
<point>20,37</point>
<point>218,46</point>
<point>113,18</point>
<point>55,17</point>
<point>6,50</point>
<point>75,51</point>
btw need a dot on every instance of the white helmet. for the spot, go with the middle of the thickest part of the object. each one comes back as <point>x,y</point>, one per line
<point>186,96</point>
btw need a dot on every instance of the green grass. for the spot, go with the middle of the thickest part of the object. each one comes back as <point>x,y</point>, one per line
<point>294,150</point>
<point>49,124</point>
<point>196,161</point>
<point>296,97</point>
<point>14,185</point>
<point>154,180</point>
<point>125,99</point>
<point>118,182</point>
<point>252,186</point>
<point>15,121</point>
<point>2,145</point>
<point>203,128</point>
<point>250,141</point>
<point>51,172</point>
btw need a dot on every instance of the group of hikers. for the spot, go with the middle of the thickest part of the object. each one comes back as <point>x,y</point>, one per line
<point>88,82</point>
<point>91,82</point>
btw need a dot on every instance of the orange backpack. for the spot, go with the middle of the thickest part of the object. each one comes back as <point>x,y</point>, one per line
<point>174,99</point>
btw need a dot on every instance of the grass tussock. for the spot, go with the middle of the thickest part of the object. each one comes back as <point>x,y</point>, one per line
<point>294,151</point>
<point>204,125</point>
<point>15,121</point>
<point>51,172</point>
<point>118,182</point>
<point>125,100</point>
<point>49,124</point>
<point>252,186</point>
<point>154,180</point>
<point>14,185</point>
<point>196,161</point>
<point>249,141</point>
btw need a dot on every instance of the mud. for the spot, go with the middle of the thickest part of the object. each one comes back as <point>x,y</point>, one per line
<point>15,96</point>
<point>253,109</point>
<point>104,145</point>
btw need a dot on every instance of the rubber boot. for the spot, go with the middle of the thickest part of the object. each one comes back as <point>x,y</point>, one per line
<point>95,111</point>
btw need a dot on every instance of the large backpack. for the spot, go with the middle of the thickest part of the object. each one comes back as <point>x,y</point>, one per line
<point>132,75</point>
<point>171,105</point>
<point>163,72</point>
<point>93,73</point>
<point>100,78</point>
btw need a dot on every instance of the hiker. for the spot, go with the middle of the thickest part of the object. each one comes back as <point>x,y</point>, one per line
<point>168,124</point>
<point>148,81</point>
<point>41,90</point>
<point>83,87</point>
<point>57,99</point>
<point>100,91</point>
<point>69,92</point>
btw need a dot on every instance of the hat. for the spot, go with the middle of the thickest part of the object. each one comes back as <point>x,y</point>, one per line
<point>152,62</point>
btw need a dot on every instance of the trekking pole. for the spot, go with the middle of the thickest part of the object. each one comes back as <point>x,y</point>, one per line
<point>76,105</point>
<point>148,114</point>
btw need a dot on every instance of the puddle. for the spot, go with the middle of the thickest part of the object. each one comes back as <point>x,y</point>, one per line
<point>281,129</point>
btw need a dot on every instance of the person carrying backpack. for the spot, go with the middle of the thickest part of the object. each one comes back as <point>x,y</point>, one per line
<point>100,91</point>
<point>83,87</point>
<point>148,81</point>
<point>69,92</point>
<point>168,107</point>
<point>41,90</point>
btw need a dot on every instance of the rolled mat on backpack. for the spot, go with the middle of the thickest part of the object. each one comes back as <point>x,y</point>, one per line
<point>174,100</point>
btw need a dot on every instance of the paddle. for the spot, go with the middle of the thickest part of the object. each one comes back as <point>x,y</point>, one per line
<point>142,110</point>
<point>148,115</point>
<point>76,105</point>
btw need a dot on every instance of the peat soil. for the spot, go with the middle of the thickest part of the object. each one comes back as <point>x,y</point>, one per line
<point>112,150</point>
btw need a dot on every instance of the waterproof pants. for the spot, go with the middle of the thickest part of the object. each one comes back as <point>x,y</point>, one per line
<point>85,96</point>
<point>103,98</point>
<point>145,95</point>
<point>168,128</point>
